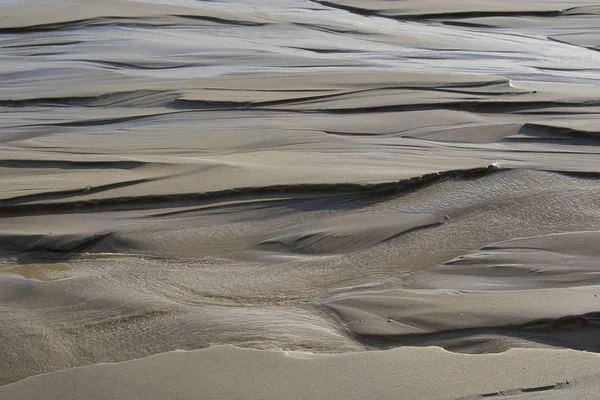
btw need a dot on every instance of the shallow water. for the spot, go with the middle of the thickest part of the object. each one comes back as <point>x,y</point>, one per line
<point>305,175</point>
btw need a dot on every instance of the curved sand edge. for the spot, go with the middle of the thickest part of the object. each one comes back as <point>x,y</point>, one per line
<point>227,372</point>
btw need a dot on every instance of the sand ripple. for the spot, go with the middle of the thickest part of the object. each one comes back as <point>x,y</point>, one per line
<point>328,176</point>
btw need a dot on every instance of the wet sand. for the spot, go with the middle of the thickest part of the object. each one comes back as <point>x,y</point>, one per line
<point>356,180</point>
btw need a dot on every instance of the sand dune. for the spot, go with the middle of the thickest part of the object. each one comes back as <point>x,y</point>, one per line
<point>531,315</point>
<point>554,260</point>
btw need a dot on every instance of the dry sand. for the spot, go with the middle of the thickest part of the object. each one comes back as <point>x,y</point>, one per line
<point>225,372</point>
<point>382,185</point>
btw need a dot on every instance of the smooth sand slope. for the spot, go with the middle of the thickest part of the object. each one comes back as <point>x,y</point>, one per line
<point>225,372</point>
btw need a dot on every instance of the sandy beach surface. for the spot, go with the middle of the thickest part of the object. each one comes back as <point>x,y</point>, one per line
<point>299,199</point>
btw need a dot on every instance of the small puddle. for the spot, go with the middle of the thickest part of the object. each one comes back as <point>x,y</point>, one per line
<point>41,272</point>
